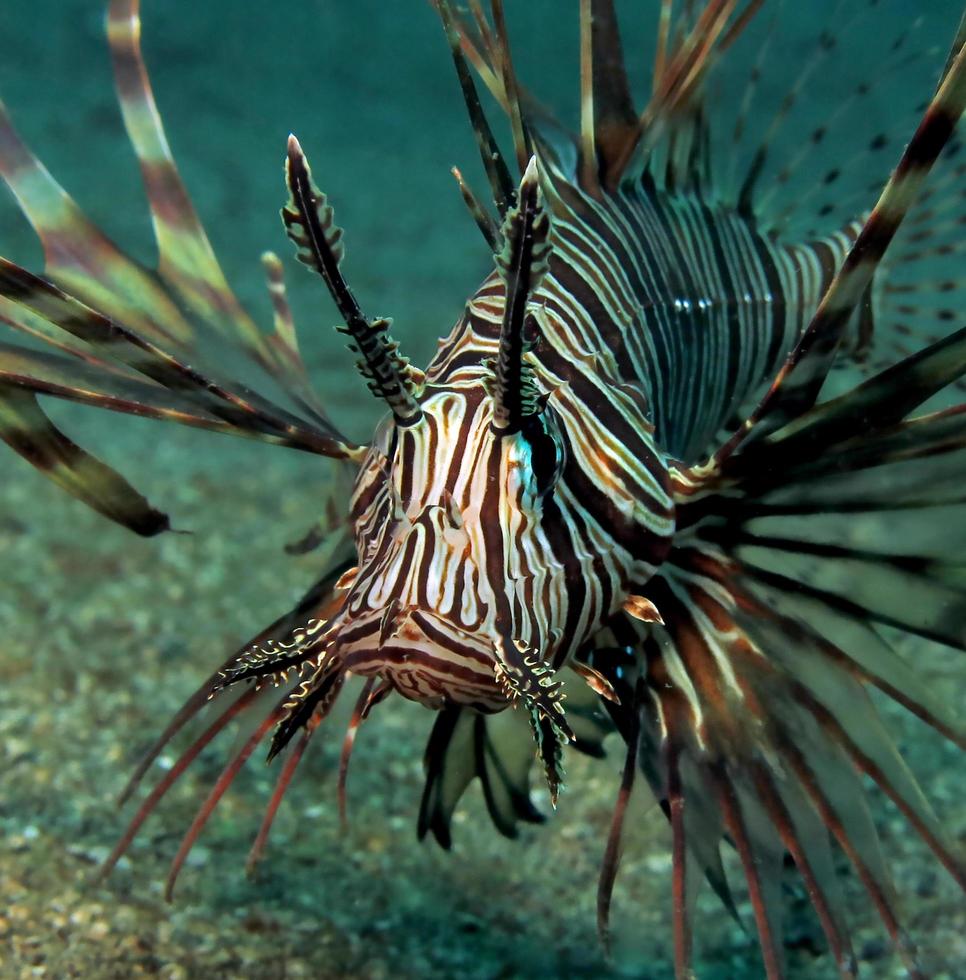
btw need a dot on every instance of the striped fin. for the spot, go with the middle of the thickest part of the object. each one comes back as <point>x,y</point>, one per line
<point>773,596</point>
<point>119,320</point>
<point>80,258</point>
<point>186,262</point>
<point>28,431</point>
<point>244,410</point>
<point>798,383</point>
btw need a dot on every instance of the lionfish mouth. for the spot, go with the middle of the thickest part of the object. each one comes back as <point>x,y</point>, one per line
<point>424,656</point>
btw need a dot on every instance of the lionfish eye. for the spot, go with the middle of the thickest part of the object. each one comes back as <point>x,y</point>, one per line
<point>547,452</point>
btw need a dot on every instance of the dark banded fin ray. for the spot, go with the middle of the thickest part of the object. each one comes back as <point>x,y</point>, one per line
<point>368,698</point>
<point>25,427</point>
<point>797,385</point>
<point>486,224</point>
<point>284,339</point>
<point>318,600</point>
<point>241,408</point>
<point>308,703</point>
<point>186,261</point>
<point>184,760</point>
<point>282,784</point>
<point>218,790</point>
<point>606,107</point>
<point>761,854</point>
<point>518,128</point>
<point>498,174</point>
<point>63,377</point>
<point>188,298</point>
<point>612,849</point>
<point>804,838</point>
<point>694,51</point>
<point>80,258</point>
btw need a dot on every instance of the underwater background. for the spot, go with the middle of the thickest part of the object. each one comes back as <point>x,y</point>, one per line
<point>103,635</point>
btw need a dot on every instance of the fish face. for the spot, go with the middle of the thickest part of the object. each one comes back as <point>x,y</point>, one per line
<point>482,562</point>
<point>454,526</point>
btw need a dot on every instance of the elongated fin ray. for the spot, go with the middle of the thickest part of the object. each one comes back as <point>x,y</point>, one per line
<point>676,89</point>
<point>613,113</point>
<point>497,172</point>
<point>52,374</point>
<point>224,781</point>
<point>521,139</point>
<point>318,601</point>
<point>26,429</point>
<point>233,403</point>
<point>239,705</point>
<point>484,222</point>
<point>278,794</point>
<point>186,260</point>
<point>612,850</point>
<point>798,383</point>
<point>80,258</point>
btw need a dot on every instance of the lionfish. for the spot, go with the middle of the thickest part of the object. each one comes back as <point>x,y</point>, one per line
<point>629,494</point>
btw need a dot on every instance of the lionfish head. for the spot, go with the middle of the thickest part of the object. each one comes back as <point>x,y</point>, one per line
<point>451,519</point>
<point>462,508</point>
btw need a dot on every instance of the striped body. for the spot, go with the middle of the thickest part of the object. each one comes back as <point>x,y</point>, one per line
<point>650,298</point>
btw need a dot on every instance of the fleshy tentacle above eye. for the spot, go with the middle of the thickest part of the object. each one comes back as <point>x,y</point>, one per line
<point>310,223</point>
<point>522,264</point>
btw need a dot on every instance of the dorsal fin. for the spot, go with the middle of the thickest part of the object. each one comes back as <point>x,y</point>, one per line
<point>684,66</point>
<point>521,140</point>
<point>797,385</point>
<point>501,185</point>
<point>607,115</point>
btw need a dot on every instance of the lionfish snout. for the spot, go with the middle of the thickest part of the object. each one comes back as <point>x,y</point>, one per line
<point>424,655</point>
<point>415,616</point>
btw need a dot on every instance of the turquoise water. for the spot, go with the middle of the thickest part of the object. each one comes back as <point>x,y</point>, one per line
<point>103,635</point>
